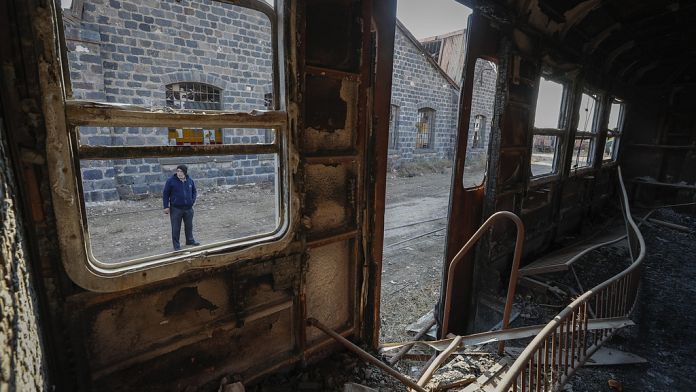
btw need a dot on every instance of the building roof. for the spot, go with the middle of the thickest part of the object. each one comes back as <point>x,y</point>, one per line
<point>425,53</point>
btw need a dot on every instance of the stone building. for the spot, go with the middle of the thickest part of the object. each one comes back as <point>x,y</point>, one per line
<point>169,54</point>
<point>425,96</point>
<point>212,56</point>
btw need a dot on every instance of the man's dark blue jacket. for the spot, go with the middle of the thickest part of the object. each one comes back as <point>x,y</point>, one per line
<point>180,194</point>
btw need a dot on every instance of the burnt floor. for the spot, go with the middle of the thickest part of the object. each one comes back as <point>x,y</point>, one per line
<point>665,332</point>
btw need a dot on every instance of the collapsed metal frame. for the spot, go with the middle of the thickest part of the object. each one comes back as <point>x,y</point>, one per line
<point>565,344</point>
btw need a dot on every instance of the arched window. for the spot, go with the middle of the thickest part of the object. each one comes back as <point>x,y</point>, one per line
<point>194,96</point>
<point>425,128</point>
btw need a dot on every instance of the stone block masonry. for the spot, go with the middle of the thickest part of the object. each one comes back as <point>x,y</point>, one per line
<point>418,84</point>
<point>129,51</point>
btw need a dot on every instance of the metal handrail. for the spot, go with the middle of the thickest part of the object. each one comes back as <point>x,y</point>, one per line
<point>565,337</point>
<point>512,285</point>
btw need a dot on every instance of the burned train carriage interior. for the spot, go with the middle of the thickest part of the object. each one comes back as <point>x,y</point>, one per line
<point>471,195</point>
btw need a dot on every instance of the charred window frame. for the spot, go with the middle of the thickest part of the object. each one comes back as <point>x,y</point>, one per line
<point>586,132</point>
<point>425,129</point>
<point>549,136</point>
<point>617,111</point>
<point>68,197</point>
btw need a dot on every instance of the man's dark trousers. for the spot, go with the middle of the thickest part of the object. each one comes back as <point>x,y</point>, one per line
<point>177,215</point>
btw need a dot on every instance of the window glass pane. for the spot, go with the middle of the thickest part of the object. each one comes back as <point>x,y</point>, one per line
<point>609,147</point>
<point>548,106</point>
<point>183,55</point>
<point>482,105</point>
<point>544,149</point>
<point>581,153</point>
<point>66,4</point>
<point>236,198</point>
<point>614,114</point>
<point>588,106</point>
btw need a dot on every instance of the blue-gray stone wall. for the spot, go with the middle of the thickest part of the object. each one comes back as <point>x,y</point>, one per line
<point>417,84</point>
<point>128,51</point>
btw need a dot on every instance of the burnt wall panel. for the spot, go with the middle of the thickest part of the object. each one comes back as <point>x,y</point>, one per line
<point>329,287</point>
<point>333,34</point>
<point>229,349</point>
<point>154,322</point>
<point>131,327</point>
<point>330,198</point>
<point>330,114</point>
<point>511,172</point>
<point>514,126</point>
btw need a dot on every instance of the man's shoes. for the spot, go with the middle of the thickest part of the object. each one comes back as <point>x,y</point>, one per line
<point>176,248</point>
<point>194,243</point>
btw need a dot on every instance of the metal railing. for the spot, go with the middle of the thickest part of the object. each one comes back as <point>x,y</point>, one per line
<point>565,343</point>
<point>513,271</point>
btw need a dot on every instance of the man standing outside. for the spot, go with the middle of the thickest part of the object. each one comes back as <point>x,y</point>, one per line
<point>178,197</point>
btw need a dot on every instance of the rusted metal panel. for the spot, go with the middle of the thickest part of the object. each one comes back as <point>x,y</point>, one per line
<point>333,34</point>
<point>465,210</point>
<point>385,25</point>
<point>331,116</point>
<point>122,331</point>
<point>515,126</point>
<point>243,350</point>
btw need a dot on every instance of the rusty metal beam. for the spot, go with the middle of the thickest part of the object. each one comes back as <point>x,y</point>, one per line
<point>364,355</point>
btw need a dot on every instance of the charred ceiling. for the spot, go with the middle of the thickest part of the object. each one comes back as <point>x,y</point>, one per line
<point>632,44</point>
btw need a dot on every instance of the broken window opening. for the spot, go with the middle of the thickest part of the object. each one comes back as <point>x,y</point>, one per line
<point>549,128</point>
<point>615,129</point>
<point>424,128</point>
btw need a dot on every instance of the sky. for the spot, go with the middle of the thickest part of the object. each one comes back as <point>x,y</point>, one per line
<point>426,18</point>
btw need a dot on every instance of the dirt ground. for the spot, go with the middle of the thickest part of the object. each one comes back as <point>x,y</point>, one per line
<point>412,267</point>
<point>132,229</point>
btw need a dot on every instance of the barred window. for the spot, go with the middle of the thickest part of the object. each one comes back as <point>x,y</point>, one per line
<point>194,96</point>
<point>424,128</point>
